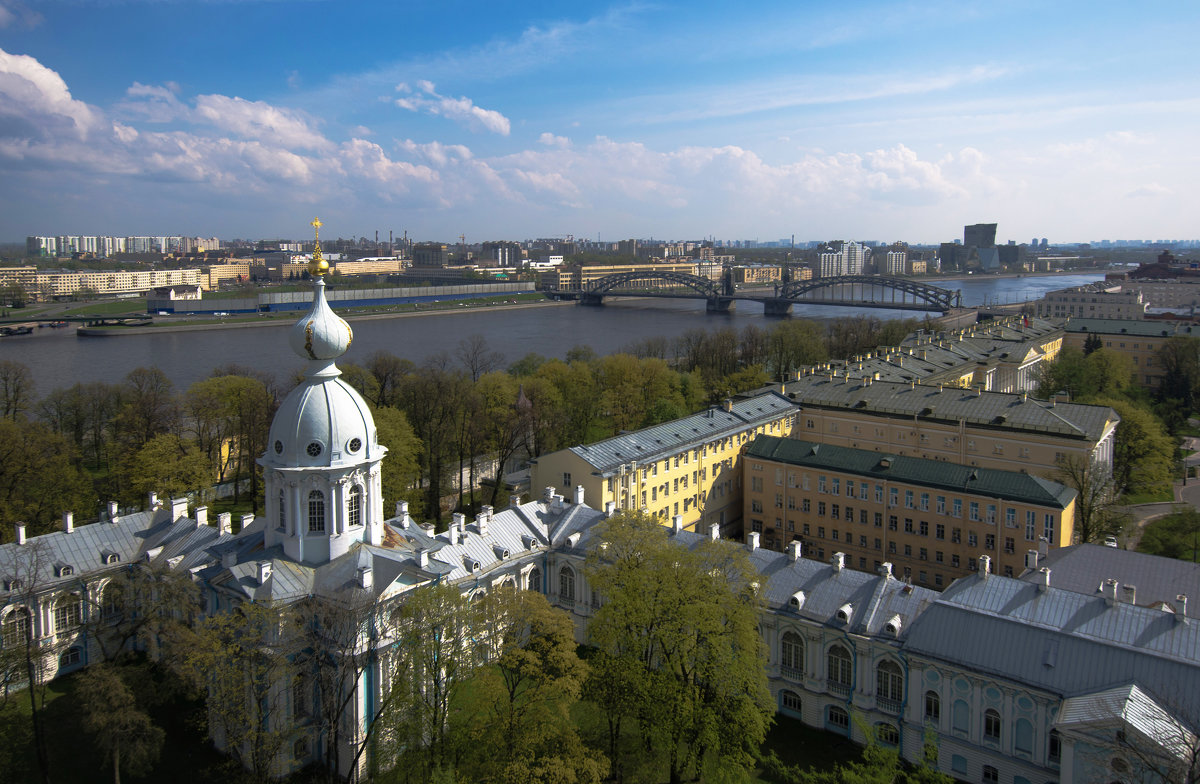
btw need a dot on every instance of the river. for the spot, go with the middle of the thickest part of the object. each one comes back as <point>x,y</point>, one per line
<point>58,358</point>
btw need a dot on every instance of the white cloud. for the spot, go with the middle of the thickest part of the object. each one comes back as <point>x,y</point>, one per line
<point>550,140</point>
<point>153,103</point>
<point>15,14</point>
<point>461,110</point>
<point>260,120</point>
<point>37,98</point>
<point>1151,190</point>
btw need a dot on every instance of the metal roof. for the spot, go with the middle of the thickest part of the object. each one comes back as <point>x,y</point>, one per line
<point>659,441</point>
<point>996,483</point>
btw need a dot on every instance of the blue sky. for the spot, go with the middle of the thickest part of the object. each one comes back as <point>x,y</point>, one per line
<point>856,120</point>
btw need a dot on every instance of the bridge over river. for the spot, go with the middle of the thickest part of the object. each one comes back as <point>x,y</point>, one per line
<point>860,291</point>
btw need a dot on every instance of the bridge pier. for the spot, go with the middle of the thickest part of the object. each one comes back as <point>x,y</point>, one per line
<point>777,307</point>
<point>595,300</point>
<point>719,304</point>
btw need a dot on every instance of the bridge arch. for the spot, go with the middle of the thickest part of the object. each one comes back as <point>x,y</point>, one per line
<point>605,285</point>
<point>934,296</point>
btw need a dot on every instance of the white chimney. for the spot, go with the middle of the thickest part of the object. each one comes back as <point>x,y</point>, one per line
<point>247,519</point>
<point>1043,578</point>
<point>794,550</point>
<point>838,561</point>
<point>985,566</point>
<point>514,500</point>
<point>547,494</point>
<point>112,511</point>
<point>1109,589</point>
<point>422,558</point>
<point>178,508</point>
<point>459,521</point>
<point>402,513</point>
<point>1031,559</point>
<point>68,522</point>
<point>714,531</point>
<point>885,569</point>
<point>610,508</point>
<point>677,523</point>
<point>1181,607</point>
<point>20,533</point>
<point>452,533</point>
<point>1043,547</point>
<point>201,515</point>
<point>752,540</point>
<point>153,499</point>
<point>579,495</point>
<point>264,572</point>
<point>224,523</point>
<point>1129,593</point>
<point>366,579</point>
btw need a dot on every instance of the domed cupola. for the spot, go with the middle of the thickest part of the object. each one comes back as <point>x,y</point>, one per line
<point>321,468</point>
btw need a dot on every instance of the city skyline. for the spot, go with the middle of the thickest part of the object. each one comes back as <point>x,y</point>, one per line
<point>865,121</point>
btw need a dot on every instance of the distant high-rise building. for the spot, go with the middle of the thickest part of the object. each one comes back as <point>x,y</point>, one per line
<point>429,254</point>
<point>896,262</point>
<point>980,235</point>
<point>856,257</point>
<point>502,254</point>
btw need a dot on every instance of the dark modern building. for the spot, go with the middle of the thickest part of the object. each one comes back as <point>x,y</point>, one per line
<point>980,235</point>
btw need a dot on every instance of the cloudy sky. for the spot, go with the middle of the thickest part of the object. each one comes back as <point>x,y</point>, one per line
<point>499,119</point>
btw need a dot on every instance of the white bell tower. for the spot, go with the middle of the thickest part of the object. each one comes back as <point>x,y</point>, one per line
<point>321,468</point>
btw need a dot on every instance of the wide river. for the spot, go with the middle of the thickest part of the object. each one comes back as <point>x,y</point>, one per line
<point>58,358</point>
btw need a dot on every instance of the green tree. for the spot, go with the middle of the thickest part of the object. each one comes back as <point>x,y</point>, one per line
<point>120,729</point>
<point>1092,343</point>
<point>1143,453</point>
<point>148,407</point>
<point>682,626</point>
<point>39,477</point>
<point>16,389</point>
<point>1096,493</point>
<point>401,468</point>
<point>1179,358</point>
<point>169,465</point>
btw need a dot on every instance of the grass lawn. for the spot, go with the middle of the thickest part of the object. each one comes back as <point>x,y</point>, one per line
<point>119,307</point>
<point>1133,499</point>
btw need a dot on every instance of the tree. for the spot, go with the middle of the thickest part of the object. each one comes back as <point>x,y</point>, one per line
<point>1096,512</point>
<point>477,358</point>
<point>1176,535</point>
<point>682,627</point>
<point>1092,343</point>
<point>16,389</point>
<point>39,477</point>
<point>1143,453</point>
<point>119,727</point>
<point>167,464</point>
<point>1179,358</point>
<point>148,407</point>
<point>402,468</point>
<point>241,661</point>
<point>22,636</point>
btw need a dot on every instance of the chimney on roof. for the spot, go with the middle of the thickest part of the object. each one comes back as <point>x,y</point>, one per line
<point>264,572</point>
<point>514,500</point>
<point>579,495</point>
<point>885,569</point>
<point>229,558</point>
<point>1043,578</point>
<point>714,531</point>
<point>610,508</point>
<point>1181,608</point>
<point>178,508</point>
<point>1129,593</point>
<point>1109,589</point>
<point>727,405</point>
<point>1043,547</point>
<point>452,533</point>
<point>247,519</point>
<point>422,557</point>
<point>794,549</point>
<point>1031,559</point>
<point>20,528</point>
<point>68,522</point>
<point>838,561</point>
<point>677,524</point>
<point>752,541</point>
<point>402,514</point>
<point>153,500</point>
<point>201,516</point>
<point>112,511</point>
<point>485,512</point>
<point>547,494</point>
<point>366,579</point>
<point>985,566</point>
<point>225,523</point>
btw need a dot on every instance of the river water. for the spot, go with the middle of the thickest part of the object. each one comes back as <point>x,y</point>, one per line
<point>58,358</point>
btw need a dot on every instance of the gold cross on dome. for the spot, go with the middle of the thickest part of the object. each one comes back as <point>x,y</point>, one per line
<point>316,224</point>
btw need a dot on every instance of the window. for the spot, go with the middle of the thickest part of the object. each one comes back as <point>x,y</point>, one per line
<point>834,510</point>
<point>15,630</point>
<point>300,698</point>
<point>790,702</point>
<point>1048,528</point>
<point>893,496</point>
<point>1030,526</point>
<point>111,600</point>
<point>879,494</point>
<point>941,504</point>
<point>805,505</point>
<point>972,539</point>
<point>282,516</point>
<point>756,484</point>
<point>974,510</point>
<point>838,718</point>
<point>908,525</point>
<point>316,512</point>
<point>1010,517</point>
<point>889,685</point>
<point>933,707</point>
<point>70,657</point>
<point>791,655</point>
<point>991,725</point>
<point>836,486</point>
<point>566,585</point>
<point>879,519</point>
<point>862,491</point>
<point>1054,749</point>
<point>821,483</point>
<point>67,613</point>
<point>956,507</point>
<point>989,542</point>
<point>1023,736</point>
<point>887,734</point>
<point>990,775</point>
<point>991,514</point>
<point>924,502</point>
<point>534,581</point>
<point>567,478</point>
<point>354,507</point>
<point>923,528</point>
<point>838,663</point>
<point>954,560</point>
<point>893,522</point>
<point>939,531</point>
<point>300,749</point>
<point>1010,546</point>
<point>821,508</point>
<point>756,505</point>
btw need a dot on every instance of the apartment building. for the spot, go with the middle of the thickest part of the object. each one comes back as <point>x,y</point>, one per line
<point>971,427</point>
<point>931,520</point>
<point>577,277</point>
<point>49,285</point>
<point>1097,300</point>
<point>690,467</point>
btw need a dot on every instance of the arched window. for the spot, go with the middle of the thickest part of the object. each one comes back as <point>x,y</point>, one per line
<point>991,725</point>
<point>1023,736</point>
<point>566,584</point>
<point>534,581</point>
<point>837,718</point>
<point>67,613</point>
<point>887,734</point>
<point>839,665</point>
<point>354,507</point>
<point>70,657</point>
<point>889,685</point>
<point>960,717</point>
<point>282,526</point>
<point>112,600</point>
<point>16,627</point>
<point>791,655</point>
<point>789,701</point>
<point>933,707</point>
<point>1054,747</point>
<point>316,512</point>
<point>990,775</point>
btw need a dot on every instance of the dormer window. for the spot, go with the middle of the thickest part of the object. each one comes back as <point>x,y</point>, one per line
<point>109,558</point>
<point>844,612</point>
<point>64,570</point>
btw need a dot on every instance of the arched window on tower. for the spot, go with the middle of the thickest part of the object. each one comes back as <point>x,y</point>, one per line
<point>282,512</point>
<point>566,585</point>
<point>534,580</point>
<point>316,512</point>
<point>791,656</point>
<point>354,507</point>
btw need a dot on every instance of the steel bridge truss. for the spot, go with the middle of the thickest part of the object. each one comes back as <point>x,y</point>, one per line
<point>872,289</point>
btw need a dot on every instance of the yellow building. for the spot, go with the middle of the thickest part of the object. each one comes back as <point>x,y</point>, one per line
<point>690,467</point>
<point>576,277</point>
<point>1139,340</point>
<point>930,519</point>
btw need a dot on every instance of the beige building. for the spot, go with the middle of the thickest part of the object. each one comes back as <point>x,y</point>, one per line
<point>369,266</point>
<point>112,282</point>
<point>1139,340</point>
<point>689,467</point>
<point>1010,432</point>
<point>929,519</point>
<point>756,274</point>
<point>577,277</point>
<point>1098,300</point>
